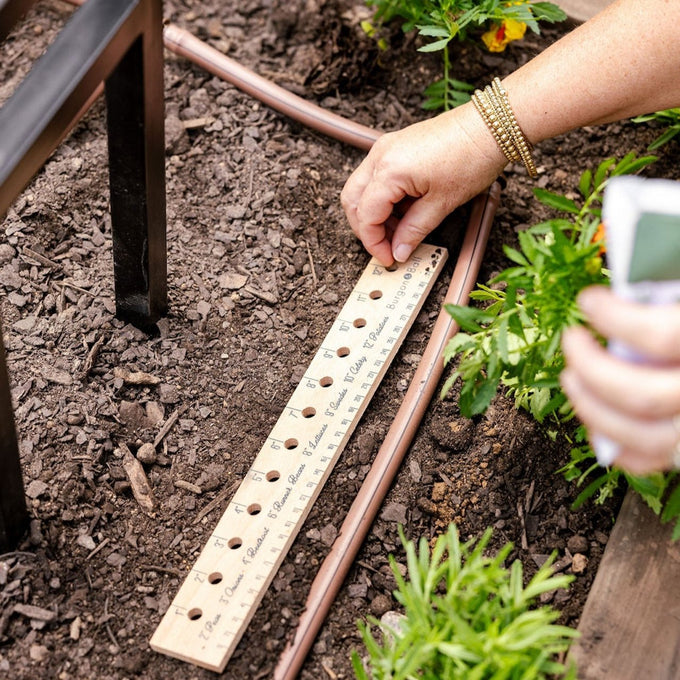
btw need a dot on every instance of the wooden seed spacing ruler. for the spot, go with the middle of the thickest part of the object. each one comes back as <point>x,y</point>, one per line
<point>221,592</point>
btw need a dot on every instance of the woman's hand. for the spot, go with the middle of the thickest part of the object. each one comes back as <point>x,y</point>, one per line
<point>412,179</point>
<point>633,404</point>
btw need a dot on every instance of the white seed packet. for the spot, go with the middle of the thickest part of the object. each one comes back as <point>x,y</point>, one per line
<point>642,225</point>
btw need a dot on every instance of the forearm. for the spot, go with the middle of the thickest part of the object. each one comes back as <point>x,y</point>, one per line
<point>621,63</point>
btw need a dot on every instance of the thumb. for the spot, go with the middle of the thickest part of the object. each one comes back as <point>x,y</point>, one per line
<point>418,221</point>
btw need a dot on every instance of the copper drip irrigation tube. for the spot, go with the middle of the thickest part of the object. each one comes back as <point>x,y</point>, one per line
<point>183,43</point>
<point>354,530</point>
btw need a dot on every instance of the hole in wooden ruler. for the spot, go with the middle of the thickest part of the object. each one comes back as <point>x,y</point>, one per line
<point>254,509</point>
<point>308,412</point>
<point>195,614</point>
<point>343,351</point>
<point>326,381</point>
<point>273,476</point>
<point>359,323</point>
<point>375,294</point>
<point>235,543</point>
<point>291,443</point>
<point>215,578</point>
<point>393,267</point>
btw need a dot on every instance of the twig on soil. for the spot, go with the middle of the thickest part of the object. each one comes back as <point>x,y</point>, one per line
<point>36,613</point>
<point>15,553</point>
<point>294,288</point>
<point>72,286</point>
<point>62,298</point>
<point>366,565</point>
<point>249,195</point>
<point>141,489</point>
<point>311,265</point>
<point>163,570</point>
<point>215,502</point>
<point>197,122</point>
<point>520,512</point>
<point>105,542</point>
<point>445,479</point>
<point>91,357</point>
<point>529,497</point>
<point>40,259</point>
<point>135,377</point>
<point>107,616</point>
<point>329,671</point>
<point>166,428</point>
<point>188,486</point>
<point>4,620</point>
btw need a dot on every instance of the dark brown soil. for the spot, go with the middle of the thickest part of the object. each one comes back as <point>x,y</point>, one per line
<point>260,262</point>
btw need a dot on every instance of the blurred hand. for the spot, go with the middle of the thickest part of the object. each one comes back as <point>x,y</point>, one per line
<point>635,405</point>
<point>412,179</point>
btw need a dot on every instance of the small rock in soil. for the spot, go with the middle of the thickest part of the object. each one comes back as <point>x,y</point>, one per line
<point>579,563</point>
<point>36,488</point>
<point>328,535</point>
<point>578,544</point>
<point>147,454</point>
<point>380,604</point>
<point>394,512</point>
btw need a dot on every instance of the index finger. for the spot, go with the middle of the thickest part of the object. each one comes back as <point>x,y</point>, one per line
<point>369,204</point>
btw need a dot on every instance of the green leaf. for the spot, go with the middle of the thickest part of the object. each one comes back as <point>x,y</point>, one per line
<point>671,508</point>
<point>434,31</point>
<point>468,318</point>
<point>601,172</point>
<point>515,256</point>
<point>502,339</point>
<point>589,491</point>
<point>547,11</point>
<point>650,488</point>
<point>435,46</point>
<point>634,165</point>
<point>585,183</point>
<point>358,667</point>
<point>664,138</point>
<point>484,395</point>
<point>556,201</point>
<point>433,103</point>
<point>460,85</point>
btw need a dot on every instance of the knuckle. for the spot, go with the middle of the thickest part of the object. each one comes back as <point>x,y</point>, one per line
<point>665,342</point>
<point>645,405</point>
<point>345,200</point>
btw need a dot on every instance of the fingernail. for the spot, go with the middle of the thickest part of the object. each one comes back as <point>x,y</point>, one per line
<point>402,252</point>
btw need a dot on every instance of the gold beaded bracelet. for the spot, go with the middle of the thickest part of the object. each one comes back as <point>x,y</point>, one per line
<point>493,106</point>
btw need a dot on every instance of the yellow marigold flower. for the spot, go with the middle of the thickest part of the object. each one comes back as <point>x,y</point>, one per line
<point>498,37</point>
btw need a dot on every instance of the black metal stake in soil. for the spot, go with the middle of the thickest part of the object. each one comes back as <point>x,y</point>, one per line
<point>13,512</point>
<point>134,101</point>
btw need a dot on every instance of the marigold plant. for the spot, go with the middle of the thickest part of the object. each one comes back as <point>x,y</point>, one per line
<point>466,615</point>
<point>512,341</point>
<point>439,22</point>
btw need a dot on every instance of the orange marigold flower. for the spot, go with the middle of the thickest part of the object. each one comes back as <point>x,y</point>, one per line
<point>497,39</point>
<point>598,237</point>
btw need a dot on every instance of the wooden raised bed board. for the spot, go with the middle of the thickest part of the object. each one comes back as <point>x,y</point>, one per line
<point>630,627</point>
